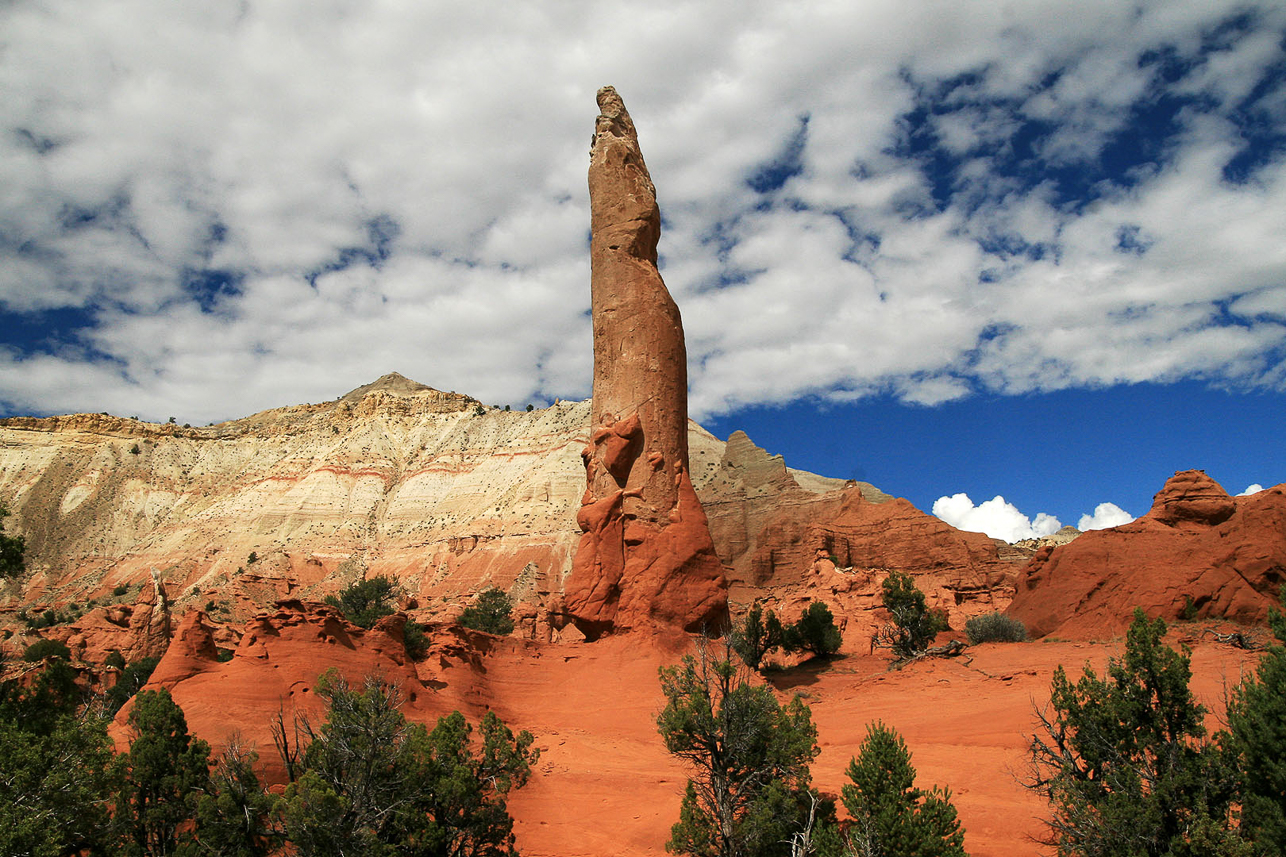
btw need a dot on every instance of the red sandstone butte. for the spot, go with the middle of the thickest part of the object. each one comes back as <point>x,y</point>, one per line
<point>645,556</point>
<point>1228,554</point>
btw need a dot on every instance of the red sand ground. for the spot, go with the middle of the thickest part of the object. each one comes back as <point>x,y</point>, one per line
<point>604,783</point>
<point>606,786</point>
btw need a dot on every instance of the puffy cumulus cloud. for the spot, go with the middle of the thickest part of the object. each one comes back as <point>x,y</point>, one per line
<point>1254,488</point>
<point>1106,515</point>
<point>995,517</point>
<point>256,203</point>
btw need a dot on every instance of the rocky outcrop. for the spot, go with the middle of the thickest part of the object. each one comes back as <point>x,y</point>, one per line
<point>275,668</point>
<point>645,555</point>
<point>842,547</point>
<point>756,505</point>
<point>1227,554</point>
<point>1062,537</point>
<point>139,630</point>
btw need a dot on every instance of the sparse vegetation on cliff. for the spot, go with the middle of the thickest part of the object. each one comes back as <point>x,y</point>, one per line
<point>42,650</point>
<point>492,613</point>
<point>365,602</point>
<point>13,551</point>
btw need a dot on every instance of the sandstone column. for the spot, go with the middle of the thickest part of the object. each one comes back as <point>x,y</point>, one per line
<point>646,556</point>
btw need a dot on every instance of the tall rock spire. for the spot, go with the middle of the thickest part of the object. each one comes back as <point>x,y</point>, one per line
<point>646,556</point>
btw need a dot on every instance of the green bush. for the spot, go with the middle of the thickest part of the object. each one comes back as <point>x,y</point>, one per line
<point>756,635</point>
<point>132,679</point>
<point>120,589</point>
<point>914,625</point>
<point>413,638</point>
<point>367,601</point>
<point>814,632</point>
<point>747,756</point>
<point>45,649</point>
<point>890,815</point>
<point>1125,761</point>
<point>490,613</point>
<point>371,783</point>
<point>115,659</point>
<point>995,628</point>
<point>1257,726</point>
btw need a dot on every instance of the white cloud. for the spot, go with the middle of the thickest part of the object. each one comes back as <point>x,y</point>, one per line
<point>402,187</point>
<point>1106,515</point>
<point>1254,488</point>
<point>995,517</point>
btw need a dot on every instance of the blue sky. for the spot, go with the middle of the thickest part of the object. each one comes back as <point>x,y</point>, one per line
<point>1028,250</point>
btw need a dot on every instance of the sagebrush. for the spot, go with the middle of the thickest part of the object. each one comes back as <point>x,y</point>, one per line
<point>995,628</point>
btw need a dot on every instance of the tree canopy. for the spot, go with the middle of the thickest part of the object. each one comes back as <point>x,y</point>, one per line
<point>371,783</point>
<point>889,815</point>
<point>749,788</point>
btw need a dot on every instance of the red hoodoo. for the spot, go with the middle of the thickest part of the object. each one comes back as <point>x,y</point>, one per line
<point>646,556</point>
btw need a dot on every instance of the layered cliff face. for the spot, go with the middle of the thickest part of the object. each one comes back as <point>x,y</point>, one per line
<point>646,556</point>
<point>394,478</point>
<point>401,480</point>
<point>1227,555</point>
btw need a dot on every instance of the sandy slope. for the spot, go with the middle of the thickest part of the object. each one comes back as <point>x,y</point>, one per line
<point>605,784</point>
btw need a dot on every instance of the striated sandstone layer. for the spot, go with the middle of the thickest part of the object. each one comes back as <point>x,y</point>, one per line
<point>394,478</point>
<point>646,556</point>
<point>1228,554</point>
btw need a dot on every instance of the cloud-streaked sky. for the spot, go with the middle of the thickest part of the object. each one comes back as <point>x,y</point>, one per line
<point>207,209</point>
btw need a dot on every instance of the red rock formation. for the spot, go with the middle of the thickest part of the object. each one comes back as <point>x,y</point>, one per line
<point>138,631</point>
<point>840,549</point>
<point>281,655</point>
<point>646,555</point>
<point>1228,554</point>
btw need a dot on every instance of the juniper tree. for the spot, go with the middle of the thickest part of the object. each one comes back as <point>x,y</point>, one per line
<point>1257,723</point>
<point>889,814</point>
<point>372,784</point>
<point>1124,760</point>
<point>749,789</point>
<point>162,775</point>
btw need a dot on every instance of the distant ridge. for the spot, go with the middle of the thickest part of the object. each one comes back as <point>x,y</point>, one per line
<point>393,382</point>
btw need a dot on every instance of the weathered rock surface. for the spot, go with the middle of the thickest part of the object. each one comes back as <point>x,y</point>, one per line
<point>275,668</point>
<point>1228,554</point>
<point>139,630</point>
<point>1062,537</point>
<point>395,478</point>
<point>646,555</point>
